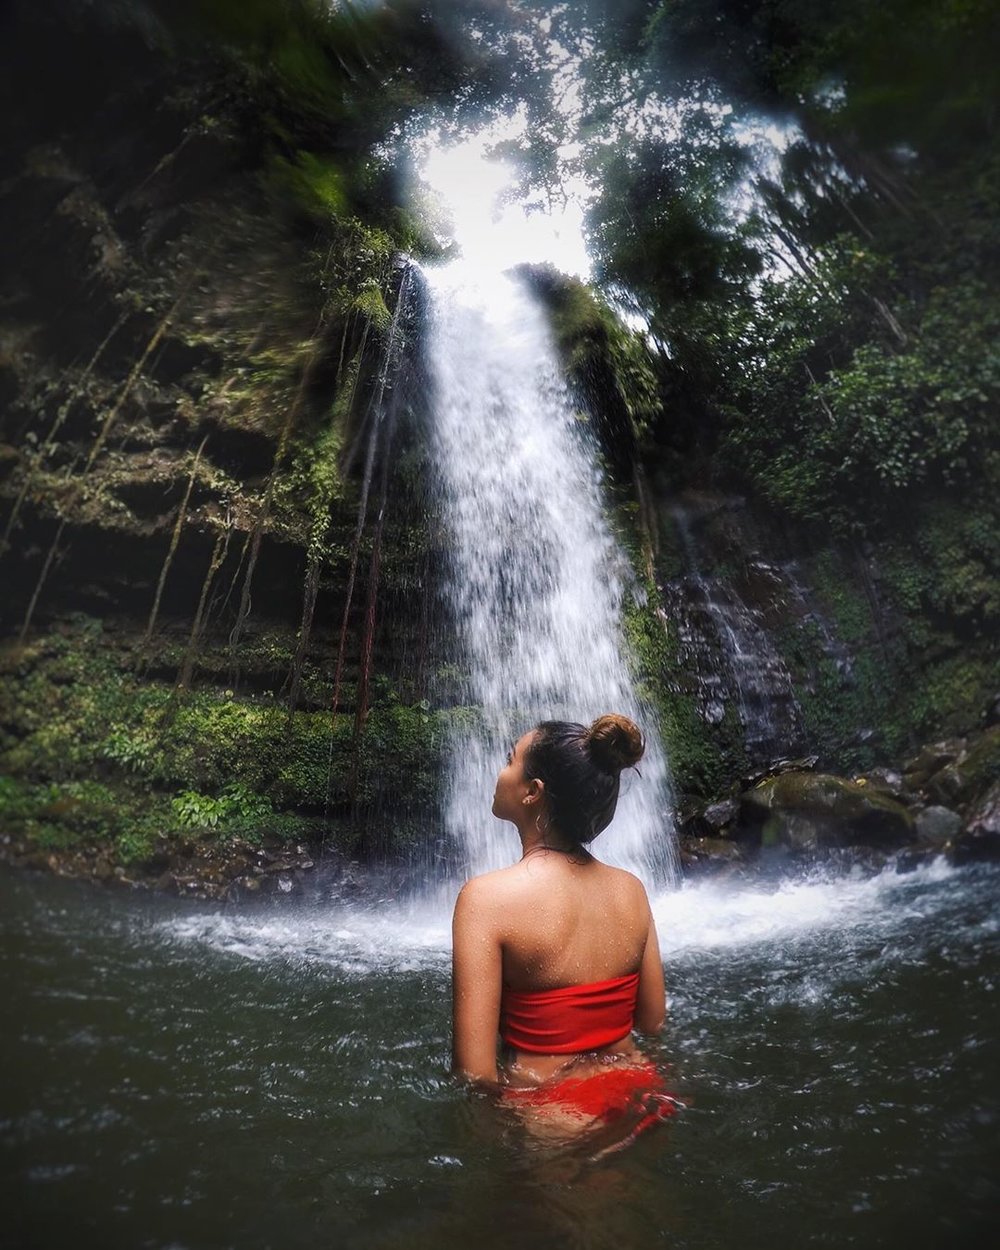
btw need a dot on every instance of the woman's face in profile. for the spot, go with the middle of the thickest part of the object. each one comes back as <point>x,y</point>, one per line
<point>512,784</point>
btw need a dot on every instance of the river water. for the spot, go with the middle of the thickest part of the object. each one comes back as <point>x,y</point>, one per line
<point>179,1075</point>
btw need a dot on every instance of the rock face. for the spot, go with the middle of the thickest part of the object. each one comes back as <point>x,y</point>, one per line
<point>937,824</point>
<point>957,770</point>
<point>883,816</point>
<point>807,811</point>
<point>980,839</point>
<point>192,346</point>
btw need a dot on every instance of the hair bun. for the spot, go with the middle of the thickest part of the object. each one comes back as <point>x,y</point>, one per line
<point>615,742</point>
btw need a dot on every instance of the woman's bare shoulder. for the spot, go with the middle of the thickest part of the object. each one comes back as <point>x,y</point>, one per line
<point>622,876</point>
<point>489,886</point>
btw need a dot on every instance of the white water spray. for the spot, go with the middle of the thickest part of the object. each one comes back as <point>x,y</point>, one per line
<point>537,578</point>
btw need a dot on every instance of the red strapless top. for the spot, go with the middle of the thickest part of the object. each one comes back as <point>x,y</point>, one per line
<point>570,1019</point>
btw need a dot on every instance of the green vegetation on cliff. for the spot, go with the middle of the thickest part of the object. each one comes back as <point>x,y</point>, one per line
<point>203,331</point>
<point>94,750</point>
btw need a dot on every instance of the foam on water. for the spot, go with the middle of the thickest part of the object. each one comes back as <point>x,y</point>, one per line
<point>707,916</point>
<point>387,936</point>
<point>355,940</point>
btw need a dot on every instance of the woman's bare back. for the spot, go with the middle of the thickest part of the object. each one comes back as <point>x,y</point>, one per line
<point>558,918</point>
<point>562,920</point>
<point>569,920</point>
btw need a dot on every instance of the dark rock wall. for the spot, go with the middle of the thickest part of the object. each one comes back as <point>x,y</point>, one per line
<point>196,367</point>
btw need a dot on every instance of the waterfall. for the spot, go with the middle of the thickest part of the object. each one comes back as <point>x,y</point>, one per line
<point>537,579</point>
<point>716,623</point>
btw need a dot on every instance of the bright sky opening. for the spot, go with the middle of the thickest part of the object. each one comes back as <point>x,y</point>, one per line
<point>472,194</point>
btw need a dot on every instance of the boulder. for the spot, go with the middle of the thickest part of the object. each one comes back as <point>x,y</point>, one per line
<point>779,766</point>
<point>718,815</point>
<point>930,759</point>
<point>808,811</point>
<point>103,869</point>
<point>937,824</point>
<point>980,769</point>
<point>935,828</point>
<point>691,821</point>
<point>912,857</point>
<point>980,839</point>
<point>957,772</point>
<point>887,780</point>
<point>704,856</point>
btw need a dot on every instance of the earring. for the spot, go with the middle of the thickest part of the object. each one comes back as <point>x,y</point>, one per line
<point>538,824</point>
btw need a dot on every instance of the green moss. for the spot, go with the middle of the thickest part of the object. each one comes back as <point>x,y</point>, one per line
<point>946,695</point>
<point>703,759</point>
<point>123,820</point>
<point>926,666</point>
<point>92,754</point>
<point>981,768</point>
<point>320,186</point>
<point>370,303</point>
<point>607,361</point>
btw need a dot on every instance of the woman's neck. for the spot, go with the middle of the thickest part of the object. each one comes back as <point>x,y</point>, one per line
<point>533,839</point>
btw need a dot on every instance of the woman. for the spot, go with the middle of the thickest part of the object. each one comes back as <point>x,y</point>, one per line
<point>559,953</point>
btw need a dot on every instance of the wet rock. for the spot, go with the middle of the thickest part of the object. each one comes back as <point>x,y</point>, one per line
<point>159,861</point>
<point>350,879</point>
<point>957,772</point>
<point>865,861</point>
<point>719,815</point>
<point>913,857</point>
<point>242,888</point>
<point>937,824</point>
<point>948,784</point>
<point>888,781</point>
<point>279,884</point>
<point>980,839</point>
<point>808,811</point>
<point>980,768</point>
<point>931,759</point>
<point>691,821</point>
<point>776,767</point>
<point>708,856</point>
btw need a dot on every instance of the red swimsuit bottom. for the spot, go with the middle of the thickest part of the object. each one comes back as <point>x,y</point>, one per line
<point>576,1019</point>
<point>605,1096</point>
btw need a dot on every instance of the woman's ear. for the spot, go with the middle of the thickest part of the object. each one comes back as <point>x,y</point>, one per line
<point>536,791</point>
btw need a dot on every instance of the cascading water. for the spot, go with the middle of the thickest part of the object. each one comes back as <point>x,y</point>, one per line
<point>536,578</point>
<point>751,671</point>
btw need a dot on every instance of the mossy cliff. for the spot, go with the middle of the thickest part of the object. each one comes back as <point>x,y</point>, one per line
<point>757,633</point>
<point>856,652</point>
<point>220,615</point>
<point>213,620</point>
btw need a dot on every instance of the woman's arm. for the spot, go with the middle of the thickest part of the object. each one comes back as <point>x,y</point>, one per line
<point>651,1005</point>
<point>476,981</point>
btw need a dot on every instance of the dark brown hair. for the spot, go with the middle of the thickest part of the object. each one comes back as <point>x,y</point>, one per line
<point>581,766</point>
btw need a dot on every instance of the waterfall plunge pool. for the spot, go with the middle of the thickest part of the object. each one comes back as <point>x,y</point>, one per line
<point>176,1075</point>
